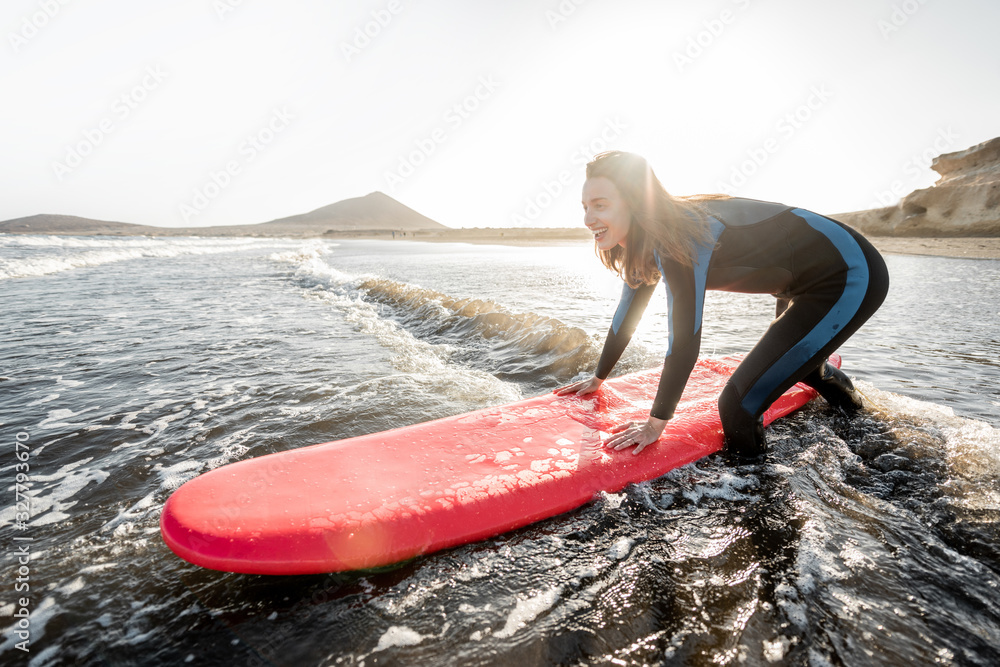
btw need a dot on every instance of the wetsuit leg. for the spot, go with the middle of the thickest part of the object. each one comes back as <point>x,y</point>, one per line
<point>831,382</point>
<point>796,346</point>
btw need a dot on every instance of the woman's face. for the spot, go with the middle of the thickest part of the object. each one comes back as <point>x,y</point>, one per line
<point>605,213</point>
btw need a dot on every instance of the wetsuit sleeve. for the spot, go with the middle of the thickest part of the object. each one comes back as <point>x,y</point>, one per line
<point>685,300</point>
<point>630,309</point>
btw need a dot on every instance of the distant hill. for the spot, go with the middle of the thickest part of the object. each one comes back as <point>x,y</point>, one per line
<point>70,224</point>
<point>374,214</point>
<point>373,211</point>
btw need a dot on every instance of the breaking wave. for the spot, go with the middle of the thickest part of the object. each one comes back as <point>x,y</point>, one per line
<point>531,349</point>
<point>32,256</point>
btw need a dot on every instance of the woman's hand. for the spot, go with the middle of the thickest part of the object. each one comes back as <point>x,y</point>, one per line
<point>581,388</point>
<point>640,435</point>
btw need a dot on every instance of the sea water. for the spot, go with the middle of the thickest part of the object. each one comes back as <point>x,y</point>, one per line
<point>131,365</point>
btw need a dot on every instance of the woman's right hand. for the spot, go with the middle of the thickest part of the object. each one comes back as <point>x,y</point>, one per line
<point>581,388</point>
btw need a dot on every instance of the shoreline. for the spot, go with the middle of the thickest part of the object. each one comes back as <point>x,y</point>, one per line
<point>958,247</point>
<point>950,247</point>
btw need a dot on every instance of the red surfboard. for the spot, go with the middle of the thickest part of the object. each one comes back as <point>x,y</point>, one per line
<point>382,498</point>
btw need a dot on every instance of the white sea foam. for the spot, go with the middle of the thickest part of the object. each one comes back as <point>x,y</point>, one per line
<point>774,651</point>
<point>72,587</point>
<point>621,548</point>
<point>54,254</point>
<point>306,252</point>
<point>44,399</point>
<point>713,484</point>
<point>973,446</point>
<point>528,610</point>
<point>127,518</point>
<point>398,635</point>
<point>40,616</point>
<point>52,495</point>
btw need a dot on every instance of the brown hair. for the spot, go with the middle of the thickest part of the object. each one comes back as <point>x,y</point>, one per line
<point>660,222</point>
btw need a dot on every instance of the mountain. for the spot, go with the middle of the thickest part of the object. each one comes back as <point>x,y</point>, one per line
<point>371,212</point>
<point>374,214</point>
<point>70,224</point>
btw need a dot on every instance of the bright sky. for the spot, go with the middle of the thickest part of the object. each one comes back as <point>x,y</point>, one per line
<point>479,114</point>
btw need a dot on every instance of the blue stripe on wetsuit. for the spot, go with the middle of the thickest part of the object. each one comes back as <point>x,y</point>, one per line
<point>700,281</point>
<point>843,310</point>
<point>628,293</point>
<point>670,305</point>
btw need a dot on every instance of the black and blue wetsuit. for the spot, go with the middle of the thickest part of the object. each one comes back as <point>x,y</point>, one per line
<point>828,280</point>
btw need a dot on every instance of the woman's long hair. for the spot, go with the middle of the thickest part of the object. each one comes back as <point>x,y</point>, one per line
<point>673,226</point>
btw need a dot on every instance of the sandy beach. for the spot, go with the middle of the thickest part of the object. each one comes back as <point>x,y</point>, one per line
<point>967,248</point>
<point>958,247</point>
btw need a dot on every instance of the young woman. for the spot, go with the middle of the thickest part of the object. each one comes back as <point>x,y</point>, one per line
<point>828,280</point>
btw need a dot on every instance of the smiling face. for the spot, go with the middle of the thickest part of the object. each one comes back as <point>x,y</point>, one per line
<point>605,213</point>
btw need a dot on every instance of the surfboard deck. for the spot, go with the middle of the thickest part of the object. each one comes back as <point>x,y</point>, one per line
<point>386,497</point>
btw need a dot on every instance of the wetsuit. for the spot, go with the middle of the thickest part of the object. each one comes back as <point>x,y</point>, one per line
<point>828,281</point>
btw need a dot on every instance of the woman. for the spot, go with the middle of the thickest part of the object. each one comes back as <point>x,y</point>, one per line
<point>827,278</point>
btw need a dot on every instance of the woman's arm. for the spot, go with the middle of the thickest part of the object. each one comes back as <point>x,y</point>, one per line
<point>685,342</point>
<point>685,295</point>
<point>631,306</point>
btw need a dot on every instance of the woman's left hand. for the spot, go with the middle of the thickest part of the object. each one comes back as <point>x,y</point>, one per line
<point>638,435</point>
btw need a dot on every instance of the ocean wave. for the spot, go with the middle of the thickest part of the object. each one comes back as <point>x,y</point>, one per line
<point>45,255</point>
<point>928,434</point>
<point>425,365</point>
<point>477,332</point>
<point>516,343</point>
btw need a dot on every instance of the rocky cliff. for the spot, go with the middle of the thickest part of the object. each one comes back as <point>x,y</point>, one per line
<point>965,201</point>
